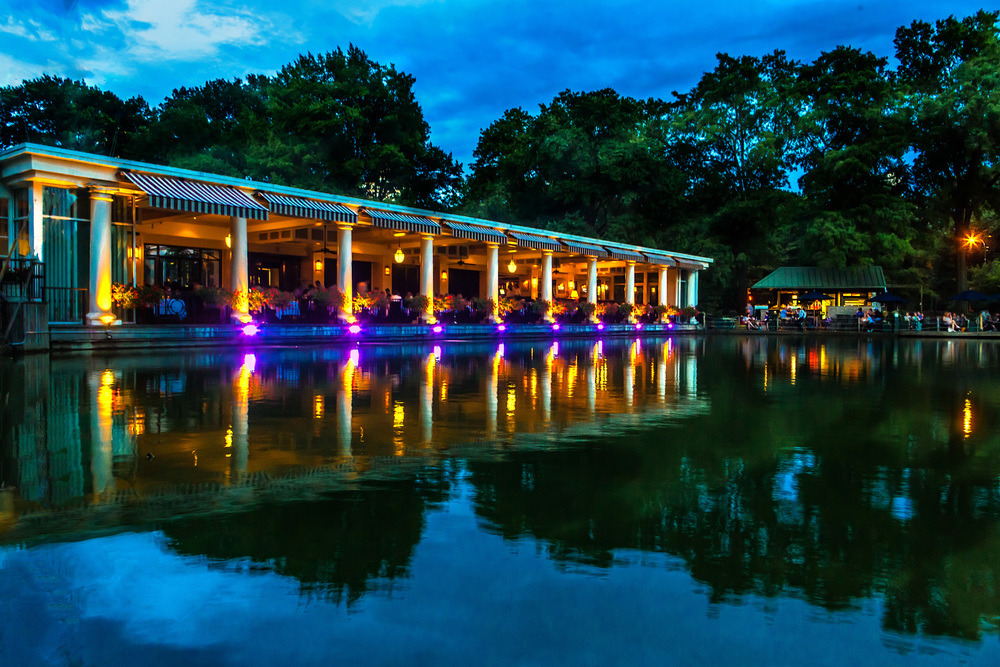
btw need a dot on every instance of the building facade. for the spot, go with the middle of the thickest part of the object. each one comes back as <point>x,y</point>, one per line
<point>89,221</point>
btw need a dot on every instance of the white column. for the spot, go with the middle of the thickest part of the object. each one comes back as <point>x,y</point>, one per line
<point>427,401</point>
<point>345,407</point>
<point>592,285</point>
<point>101,423</point>
<point>692,295</point>
<point>427,274</point>
<point>630,286</point>
<point>36,232</point>
<point>99,309</point>
<point>662,289</point>
<point>239,440</point>
<point>492,379</point>
<point>239,273</point>
<point>677,289</point>
<point>546,286</point>
<point>545,384</point>
<point>345,276</point>
<point>493,276</point>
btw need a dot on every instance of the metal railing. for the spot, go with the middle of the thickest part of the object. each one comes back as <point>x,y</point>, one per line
<point>67,305</point>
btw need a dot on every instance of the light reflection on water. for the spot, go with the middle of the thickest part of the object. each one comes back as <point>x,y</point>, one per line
<point>809,481</point>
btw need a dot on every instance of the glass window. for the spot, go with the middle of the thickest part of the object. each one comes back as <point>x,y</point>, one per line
<point>180,268</point>
<point>4,226</point>
<point>66,204</point>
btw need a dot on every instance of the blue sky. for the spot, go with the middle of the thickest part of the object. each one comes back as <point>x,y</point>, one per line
<point>472,59</point>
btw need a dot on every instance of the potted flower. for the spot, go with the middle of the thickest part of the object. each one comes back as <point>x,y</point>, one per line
<point>213,303</point>
<point>325,302</point>
<point>482,308</point>
<point>687,314</point>
<point>587,309</point>
<point>625,311</point>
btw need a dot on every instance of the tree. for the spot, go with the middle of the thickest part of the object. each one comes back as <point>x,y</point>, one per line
<point>736,126</point>
<point>951,76</point>
<point>365,127</point>
<point>70,114</point>
<point>590,163</point>
<point>850,142</point>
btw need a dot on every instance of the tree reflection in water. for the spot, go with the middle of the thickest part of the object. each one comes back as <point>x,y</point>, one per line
<point>339,548</point>
<point>838,471</point>
<point>859,485</point>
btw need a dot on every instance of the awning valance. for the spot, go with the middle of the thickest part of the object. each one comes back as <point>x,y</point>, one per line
<point>625,255</point>
<point>196,197</point>
<point>536,242</point>
<point>585,249</point>
<point>662,260</point>
<point>401,221</point>
<point>476,233</point>
<point>297,207</point>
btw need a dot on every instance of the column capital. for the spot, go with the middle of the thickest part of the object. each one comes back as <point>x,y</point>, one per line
<point>630,262</point>
<point>345,226</point>
<point>101,193</point>
<point>547,252</point>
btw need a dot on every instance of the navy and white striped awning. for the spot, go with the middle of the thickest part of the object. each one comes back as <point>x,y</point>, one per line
<point>196,197</point>
<point>536,242</point>
<point>662,260</point>
<point>625,255</point>
<point>691,265</point>
<point>401,221</point>
<point>585,249</point>
<point>476,233</point>
<point>297,207</point>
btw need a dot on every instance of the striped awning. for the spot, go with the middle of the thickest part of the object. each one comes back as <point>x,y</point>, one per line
<point>662,260</point>
<point>476,233</point>
<point>585,249</point>
<point>536,242</point>
<point>196,197</point>
<point>690,265</point>
<point>297,207</point>
<point>625,255</point>
<point>401,221</point>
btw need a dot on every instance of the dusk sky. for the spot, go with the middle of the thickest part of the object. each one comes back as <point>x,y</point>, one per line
<point>472,59</point>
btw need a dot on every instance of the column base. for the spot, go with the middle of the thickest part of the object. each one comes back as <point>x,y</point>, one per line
<point>99,319</point>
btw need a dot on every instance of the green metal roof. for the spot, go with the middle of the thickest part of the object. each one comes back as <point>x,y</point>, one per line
<point>861,278</point>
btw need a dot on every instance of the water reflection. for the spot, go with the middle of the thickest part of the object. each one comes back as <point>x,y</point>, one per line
<point>837,471</point>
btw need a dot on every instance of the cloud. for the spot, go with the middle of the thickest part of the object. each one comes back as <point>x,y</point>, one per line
<point>178,30</point>
<point>30,30</point>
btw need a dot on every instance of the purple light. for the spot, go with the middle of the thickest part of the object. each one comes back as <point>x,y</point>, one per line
<point>555,327</point>
<point>638,326</point>
<point>670,326</point>
<point>251,330</point>
<point>600,327</point>
<point>355,328</point>
<point>438,328</point>
<point>502,327</point>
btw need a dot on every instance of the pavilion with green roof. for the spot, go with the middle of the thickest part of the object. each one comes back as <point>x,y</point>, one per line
<point>849,287</point>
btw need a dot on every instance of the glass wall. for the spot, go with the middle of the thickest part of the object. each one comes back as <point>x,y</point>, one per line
<point>4,226</point>
<point>66,251</point>
<point>181,268</point>
<point>122,240</point>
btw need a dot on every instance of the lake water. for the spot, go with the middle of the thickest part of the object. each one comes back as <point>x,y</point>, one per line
<point>723,500</point>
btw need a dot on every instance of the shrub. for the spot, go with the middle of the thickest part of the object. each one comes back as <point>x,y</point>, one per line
<point>126,296</point>
<point>281,299</point>
<point>150,295</point>
<point>540,306</point>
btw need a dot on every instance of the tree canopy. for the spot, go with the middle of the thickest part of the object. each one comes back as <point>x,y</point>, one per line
<point>765,162</point>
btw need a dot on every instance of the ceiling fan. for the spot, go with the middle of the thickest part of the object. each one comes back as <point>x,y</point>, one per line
<point>325,250</point>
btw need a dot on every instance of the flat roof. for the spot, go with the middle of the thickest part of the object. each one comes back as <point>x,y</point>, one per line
<point>120,164</point>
